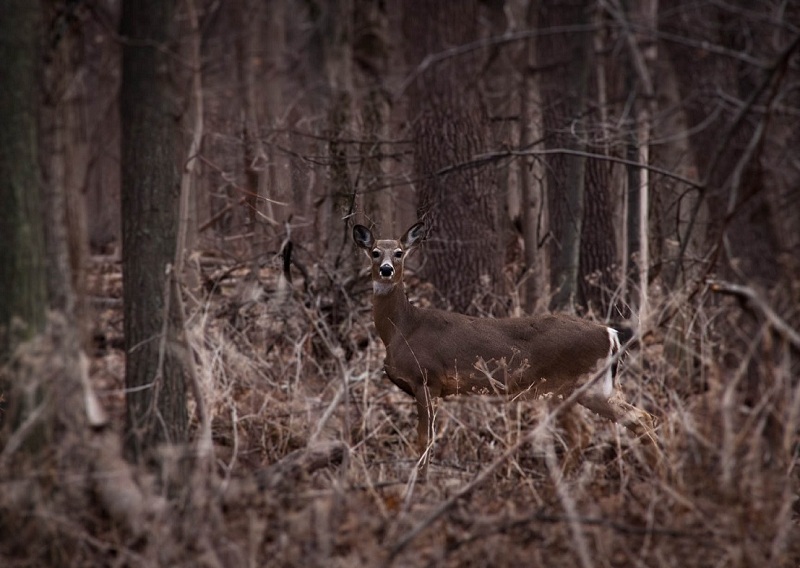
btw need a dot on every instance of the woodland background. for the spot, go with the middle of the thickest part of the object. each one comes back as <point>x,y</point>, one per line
<point>190,375</point>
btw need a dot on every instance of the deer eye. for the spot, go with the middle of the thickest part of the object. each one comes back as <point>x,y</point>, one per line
<point>376,253</point>
<point>398,254</point>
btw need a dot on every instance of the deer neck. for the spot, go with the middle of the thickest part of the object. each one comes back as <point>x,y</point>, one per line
<point>391,309</point>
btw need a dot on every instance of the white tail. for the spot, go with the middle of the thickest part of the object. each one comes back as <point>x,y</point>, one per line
<point>436,353</point>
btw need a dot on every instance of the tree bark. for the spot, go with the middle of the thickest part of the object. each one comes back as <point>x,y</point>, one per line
<point>156,399</point>
<point>338,57</point>
<point>597,277</point>
<point>533,174</point>
<point>370,56</point>
<point>277,191</point>
<point>186,272</point>
<point>22,245</point>
<point>642,55</point>
<point>64,159</point>
<point>564,93</point>
<point>456,197</point>
<point>248,15</point>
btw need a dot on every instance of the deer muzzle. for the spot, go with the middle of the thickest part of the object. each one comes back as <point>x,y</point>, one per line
<point>386,270</point>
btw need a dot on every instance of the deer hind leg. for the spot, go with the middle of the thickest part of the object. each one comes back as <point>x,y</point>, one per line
<point>424,427</point>
<point>638,421</point>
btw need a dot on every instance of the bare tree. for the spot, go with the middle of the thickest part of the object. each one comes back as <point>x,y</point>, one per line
<point>457,198</point>
<point>642,50</point>
<point>564,93</point>
<point>154,375</point>
<point>64,159</point>
<point>597,278</point>
<point>22,254</point>
<point>248,17</point>
<point>371,49</point>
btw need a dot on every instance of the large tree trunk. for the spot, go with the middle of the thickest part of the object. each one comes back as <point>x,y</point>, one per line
<point>457,198</point>
<point>153,373</point>
<point>597,277</point>
<point>64,159</point>
<point>564,93</point>
<point>22,247</point>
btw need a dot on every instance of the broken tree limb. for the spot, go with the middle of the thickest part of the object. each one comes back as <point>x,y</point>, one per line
<point>301,463</point>
<point>746,292</point>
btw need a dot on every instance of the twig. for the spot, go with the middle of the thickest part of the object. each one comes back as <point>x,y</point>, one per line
<point>185,347</point>
<point>702,537</point>
<point>568,503</point>
<point>19,436</point>
<point>483,43</point>
<point>328,413</point>
<point>786,331</point>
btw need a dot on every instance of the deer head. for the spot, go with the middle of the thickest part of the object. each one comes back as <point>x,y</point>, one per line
<point>387,255</point>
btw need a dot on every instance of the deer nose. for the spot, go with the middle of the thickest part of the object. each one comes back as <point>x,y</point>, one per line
<point>386,270</point>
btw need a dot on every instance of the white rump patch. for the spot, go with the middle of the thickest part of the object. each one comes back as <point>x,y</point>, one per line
<point>613,348</point>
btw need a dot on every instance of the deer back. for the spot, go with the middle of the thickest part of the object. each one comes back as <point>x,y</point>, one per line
<point>454,354</point>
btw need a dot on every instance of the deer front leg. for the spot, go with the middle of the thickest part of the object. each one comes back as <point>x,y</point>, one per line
<point>424,427</point>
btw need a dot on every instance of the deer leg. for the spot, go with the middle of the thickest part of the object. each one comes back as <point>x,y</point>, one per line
<point>424,427</point>
<point>638,421</point>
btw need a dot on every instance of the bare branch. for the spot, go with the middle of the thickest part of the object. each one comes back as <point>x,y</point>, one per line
<point>786,331</point>
<point>481,158</point>
<point>459,50</point>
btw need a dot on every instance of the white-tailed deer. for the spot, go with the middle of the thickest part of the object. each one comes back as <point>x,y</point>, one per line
<point>436,353</point>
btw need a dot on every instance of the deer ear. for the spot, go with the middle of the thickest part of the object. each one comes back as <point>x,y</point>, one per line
<point>413,236</point>
<point>363,237</point>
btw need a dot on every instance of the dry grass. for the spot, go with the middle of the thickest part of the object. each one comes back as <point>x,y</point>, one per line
<point>279,377</point>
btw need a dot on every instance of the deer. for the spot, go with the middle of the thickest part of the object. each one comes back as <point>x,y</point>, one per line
<point>433,353</point>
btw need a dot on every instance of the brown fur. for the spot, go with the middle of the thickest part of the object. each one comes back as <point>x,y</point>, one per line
<point>436,353</point>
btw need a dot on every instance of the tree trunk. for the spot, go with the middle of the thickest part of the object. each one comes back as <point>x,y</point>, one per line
<point>338,54</point>
<point>597,277</point>
<point>564,96</point>
<point>533,175</point>
<point>193,124</point>
<point>277,190</point>
<point>370,56</point>
<point>64,158</point>
<point>642,50</point>
<point>22,248</point>
<point>153,372</point>
<point>248,13</point>
<point>23,252</point>
<point>500,98</point>
<point>457,198</point>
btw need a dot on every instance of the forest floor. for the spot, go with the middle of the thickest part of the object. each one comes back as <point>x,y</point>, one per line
<point>312,461</point>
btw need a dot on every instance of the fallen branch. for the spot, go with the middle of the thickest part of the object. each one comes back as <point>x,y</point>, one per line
<point>301,463</point>
<point>786,331</point>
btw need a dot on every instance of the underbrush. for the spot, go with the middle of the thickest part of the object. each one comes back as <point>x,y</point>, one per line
<point>313,459</point>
